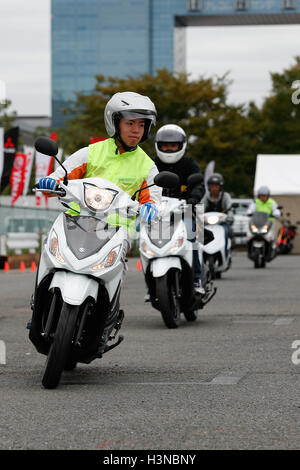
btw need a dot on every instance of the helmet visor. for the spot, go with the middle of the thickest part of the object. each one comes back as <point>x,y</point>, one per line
<point>137,114</point>
<point>171,148</point>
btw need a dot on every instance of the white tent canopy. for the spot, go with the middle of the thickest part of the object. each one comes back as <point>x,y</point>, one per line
<point>281,173</point>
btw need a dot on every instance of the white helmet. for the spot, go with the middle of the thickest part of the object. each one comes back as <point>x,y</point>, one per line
<point>263,191</point>
<point>173,134</point>
<point>131,106</point>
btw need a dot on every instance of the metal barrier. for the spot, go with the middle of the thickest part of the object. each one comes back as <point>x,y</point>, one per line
<point>18,241</point>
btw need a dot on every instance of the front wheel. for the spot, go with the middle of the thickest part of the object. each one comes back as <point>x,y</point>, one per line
<point>167,299</point>
<point>190,315</point>
<point>60,348</point>
<point>259,261</point>
<point>211,266</point>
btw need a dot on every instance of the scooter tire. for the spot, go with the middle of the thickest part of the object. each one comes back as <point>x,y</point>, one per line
<point>61,346</point>
<point>211,266</point>
<point>70,365</point>
<point>168,304</point>
<point>190,315</point>
<point>259,263</point>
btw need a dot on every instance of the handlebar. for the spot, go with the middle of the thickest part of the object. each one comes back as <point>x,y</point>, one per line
<point>59,191</point>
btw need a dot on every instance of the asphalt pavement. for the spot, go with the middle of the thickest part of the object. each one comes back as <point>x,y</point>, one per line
<point>228,381</point>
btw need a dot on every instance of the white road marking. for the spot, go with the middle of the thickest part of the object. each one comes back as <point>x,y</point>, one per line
<point>223,378</point>
<point>227,378</point>
<point>252,320</point>
<point>283,321</point>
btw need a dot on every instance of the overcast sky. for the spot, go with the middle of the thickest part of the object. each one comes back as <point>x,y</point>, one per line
<point>249,53</point>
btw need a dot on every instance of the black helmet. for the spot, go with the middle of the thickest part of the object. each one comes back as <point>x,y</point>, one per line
<point>216,178</point>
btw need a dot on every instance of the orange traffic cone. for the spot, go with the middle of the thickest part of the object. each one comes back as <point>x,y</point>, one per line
<point>33,267</point>
<point>22,266</point>
<point>139,265</point>
<point>6,266</point>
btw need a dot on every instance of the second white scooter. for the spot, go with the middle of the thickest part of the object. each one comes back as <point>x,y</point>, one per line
<point>215,254</point>
<point>167,259</point>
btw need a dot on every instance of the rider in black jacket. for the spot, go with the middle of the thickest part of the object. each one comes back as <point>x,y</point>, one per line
<point>170,146</point>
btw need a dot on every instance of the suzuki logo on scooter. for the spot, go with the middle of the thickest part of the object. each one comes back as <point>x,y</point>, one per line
<point>82,250</point>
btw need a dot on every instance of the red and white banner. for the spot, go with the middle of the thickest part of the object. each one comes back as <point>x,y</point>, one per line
<point>17,177</point>
<point>1,150</point>
<point>43,167</point>
<point>29,152</point>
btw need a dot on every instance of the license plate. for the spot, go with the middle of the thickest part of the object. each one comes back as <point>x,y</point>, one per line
<point>258,244</point>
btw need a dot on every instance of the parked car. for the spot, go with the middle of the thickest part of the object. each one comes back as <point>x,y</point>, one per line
<point>241,220</point>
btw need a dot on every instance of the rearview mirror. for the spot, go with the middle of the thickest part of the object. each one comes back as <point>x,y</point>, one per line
<point>194,180</point>
<point>46,146</point>
<point>167,179</point>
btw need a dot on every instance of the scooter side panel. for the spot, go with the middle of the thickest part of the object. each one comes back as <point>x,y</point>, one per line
<point>160,266</point>
<point>75,288</point>
<point>218,244</point>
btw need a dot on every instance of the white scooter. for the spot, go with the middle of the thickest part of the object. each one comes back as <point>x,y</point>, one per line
<point>167,261</point>
<point>76,303</point>
<point>214,252</point>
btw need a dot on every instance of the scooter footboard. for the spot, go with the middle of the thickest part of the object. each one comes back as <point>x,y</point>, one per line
<point>160,266</point>
<point>74,288</point>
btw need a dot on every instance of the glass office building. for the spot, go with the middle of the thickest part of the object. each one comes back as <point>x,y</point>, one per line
<point>132,37</point>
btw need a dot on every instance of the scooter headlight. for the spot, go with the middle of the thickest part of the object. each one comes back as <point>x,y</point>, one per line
<point>53,247</point>
<point>253,228</point>
<point>98,198</point>
<point>109,260</point>
<point>264,229</point>
<point>177,245</point>
<point>146,249</point>
<point>212,219</point>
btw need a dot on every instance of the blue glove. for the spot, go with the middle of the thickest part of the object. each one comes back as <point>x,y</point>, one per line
<point>148,212</point>
<point>47,183</point>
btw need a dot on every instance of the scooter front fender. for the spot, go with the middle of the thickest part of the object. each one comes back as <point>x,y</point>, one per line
<point>160,266</point>
<point>218,243</point>
<point>74,288</point>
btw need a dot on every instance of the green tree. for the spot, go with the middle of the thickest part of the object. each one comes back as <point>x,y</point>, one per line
<point>6,118</point>
<point>216,131</point>
<point>280,114</point>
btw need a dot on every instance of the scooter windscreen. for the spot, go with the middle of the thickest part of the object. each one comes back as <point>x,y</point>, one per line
<point>86,235</point>
<point>161,232</point>
<point>260,219</point>
<point>260,222</point>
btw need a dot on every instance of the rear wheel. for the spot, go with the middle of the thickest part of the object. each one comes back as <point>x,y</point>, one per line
<point>60,348</point>
<point>211,266</point>
<point>167,299</point>
<point>70,365</point>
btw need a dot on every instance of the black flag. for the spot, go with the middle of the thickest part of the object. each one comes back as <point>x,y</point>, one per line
<point>9,150</point>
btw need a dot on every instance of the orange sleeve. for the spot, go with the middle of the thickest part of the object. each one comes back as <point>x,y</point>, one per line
<point>145,195</point>
<point>76,173</point>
